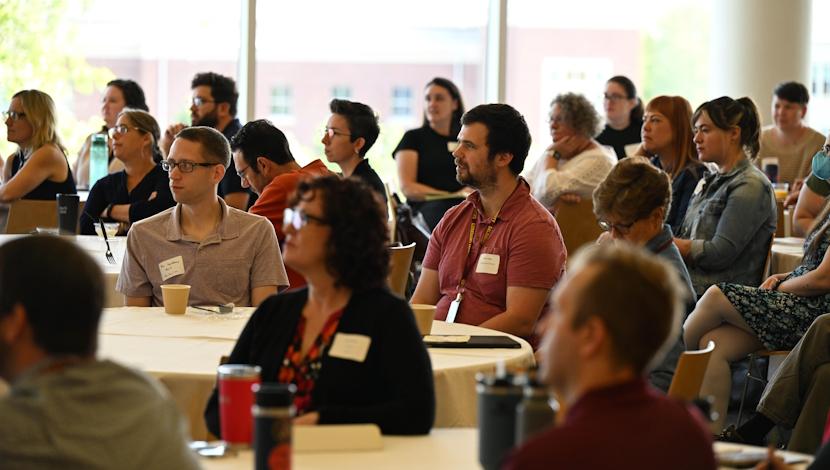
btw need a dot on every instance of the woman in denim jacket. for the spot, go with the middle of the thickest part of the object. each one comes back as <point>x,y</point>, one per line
<point>726,234</point>
<point>731,218</point>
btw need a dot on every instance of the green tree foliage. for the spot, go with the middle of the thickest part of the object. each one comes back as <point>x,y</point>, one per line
<point>676,56</point>
<point>38,50</point>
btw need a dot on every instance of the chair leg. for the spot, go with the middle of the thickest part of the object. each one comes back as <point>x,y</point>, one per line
<point>743,392</point>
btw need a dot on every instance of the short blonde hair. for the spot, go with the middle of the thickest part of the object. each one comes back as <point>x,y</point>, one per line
<point>637,295</point>
<point>633,189</point>
<point>40,111</point>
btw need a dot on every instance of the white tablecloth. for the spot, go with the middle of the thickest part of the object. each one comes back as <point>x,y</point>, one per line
<point>442,449</point>
<point>786,254</point>
<point>95,247</point>
<point>183,352</point>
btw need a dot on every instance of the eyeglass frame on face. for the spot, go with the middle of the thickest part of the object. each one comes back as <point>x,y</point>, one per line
<point>241,173</point>
<point>331,132</point>
<point>13,115</point>
<point>198,101</point>
<point>614,97</point>
<point>298,218</point>
<point>185,166</point>
<point>622,229</point>
<point>122,129</point>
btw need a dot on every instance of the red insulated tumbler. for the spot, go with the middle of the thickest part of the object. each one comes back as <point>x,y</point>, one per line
<point>235,400</point>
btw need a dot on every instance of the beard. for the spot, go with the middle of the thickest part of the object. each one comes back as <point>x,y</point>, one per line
<point>208,120</point>
<point>485,180</point>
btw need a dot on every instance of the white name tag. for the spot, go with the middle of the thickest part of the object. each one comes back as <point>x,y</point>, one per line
<point>171,267</point>
<point>488,263</point>
<point>350,346</point>
<point>451,146</point>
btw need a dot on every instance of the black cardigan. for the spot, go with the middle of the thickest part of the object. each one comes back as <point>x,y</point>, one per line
<point>392,388</point>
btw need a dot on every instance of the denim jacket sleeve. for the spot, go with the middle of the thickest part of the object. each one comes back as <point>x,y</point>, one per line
<point>739,213</point>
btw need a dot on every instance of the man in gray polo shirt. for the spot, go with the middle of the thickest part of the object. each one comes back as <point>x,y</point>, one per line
<point>66,408</point>
<point>224,254</point>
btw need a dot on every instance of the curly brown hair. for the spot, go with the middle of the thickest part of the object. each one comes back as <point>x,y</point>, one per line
<point>356,255</point>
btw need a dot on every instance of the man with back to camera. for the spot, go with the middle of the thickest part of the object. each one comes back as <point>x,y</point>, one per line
<point>214,105</point>
<point>224,254</point>
<point>615,312</point>
<point>66,408</point>
<point>492,259</point>
<point>350,132</point>
<point>263,161</point>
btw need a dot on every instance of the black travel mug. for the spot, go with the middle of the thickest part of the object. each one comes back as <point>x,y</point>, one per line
<point>68,213</point>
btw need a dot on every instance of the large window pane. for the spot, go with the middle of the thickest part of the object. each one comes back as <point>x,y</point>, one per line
<point>376,52</point>
<point>558,47</point>
<point>75,47</point>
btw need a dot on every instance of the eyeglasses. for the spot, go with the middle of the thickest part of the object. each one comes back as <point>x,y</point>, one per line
<point>198,101</point>
<point>241,173</point>
<point>331,132</point>
<point>122,129</point>
<point>622,229</point>
<point>13,115</point>
<point>613,97</point>
<point>298,219</point>
<point>185,166</point>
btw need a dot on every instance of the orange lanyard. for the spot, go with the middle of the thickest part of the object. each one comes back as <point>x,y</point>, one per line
<point>473,228</point>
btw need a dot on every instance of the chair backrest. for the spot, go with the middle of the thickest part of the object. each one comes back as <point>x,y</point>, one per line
<point>26,215</point>
<point>400,258</point>
<point>688,375</point>
<point>780,230</point>
<point>577,223</point>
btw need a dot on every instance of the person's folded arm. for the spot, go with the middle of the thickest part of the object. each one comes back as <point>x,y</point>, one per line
<point>524,305</point>
<point>408,396</point>
<point>807,208</point>
<point>810,284</point>
<point>160,199</point>
<point>747,209</point>
<point>39,168</point>
<point>131,301</point>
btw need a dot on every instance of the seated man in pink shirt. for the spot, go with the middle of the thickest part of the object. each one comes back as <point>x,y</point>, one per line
<point>264,163</point>
<point>492,259</point>
<point>614,313</point>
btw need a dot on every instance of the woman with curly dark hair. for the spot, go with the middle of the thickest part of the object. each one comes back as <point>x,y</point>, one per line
<point>336,238</point>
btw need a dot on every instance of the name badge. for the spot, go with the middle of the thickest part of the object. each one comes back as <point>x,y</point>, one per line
<point>171,267</point>
<point>350,346</point>
<point>451,146</point>
<point>488,263</point>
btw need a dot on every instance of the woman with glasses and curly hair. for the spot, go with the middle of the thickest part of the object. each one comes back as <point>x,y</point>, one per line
<point>336,238</point>
<point>574,164</point>
<point>142,188</point>
<point>39,169</point>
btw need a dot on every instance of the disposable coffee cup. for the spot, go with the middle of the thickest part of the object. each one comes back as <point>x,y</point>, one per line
<point>424,314</point>
<point>175,298</point>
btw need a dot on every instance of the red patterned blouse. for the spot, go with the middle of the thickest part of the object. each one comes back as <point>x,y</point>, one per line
<point>304,371</point>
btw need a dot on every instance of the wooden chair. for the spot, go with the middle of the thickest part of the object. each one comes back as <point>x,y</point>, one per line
<point>688,376</point>
<point>26,215</point>
<point>753,373</point>
<point>400,259</point>
<point>577,223</point>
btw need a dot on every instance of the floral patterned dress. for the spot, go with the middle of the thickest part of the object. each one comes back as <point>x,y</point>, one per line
<point>780,319</point>
<point>304,371</point>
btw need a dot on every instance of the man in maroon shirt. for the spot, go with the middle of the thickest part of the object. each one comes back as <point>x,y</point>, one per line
<point>492,259</point>
<point>612,315</point>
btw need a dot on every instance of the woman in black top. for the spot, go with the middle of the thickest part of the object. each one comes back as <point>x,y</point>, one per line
<point>623,115</point>
<point>426,167</point>
<point>142,188</point>
<point>336,238</point>
<point>39,169</point>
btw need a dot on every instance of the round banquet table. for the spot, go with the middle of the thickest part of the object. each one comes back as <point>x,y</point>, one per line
<point>95,247</point>
<point>183,351</point>
<point>786,254</point>
<point>442,449</point>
